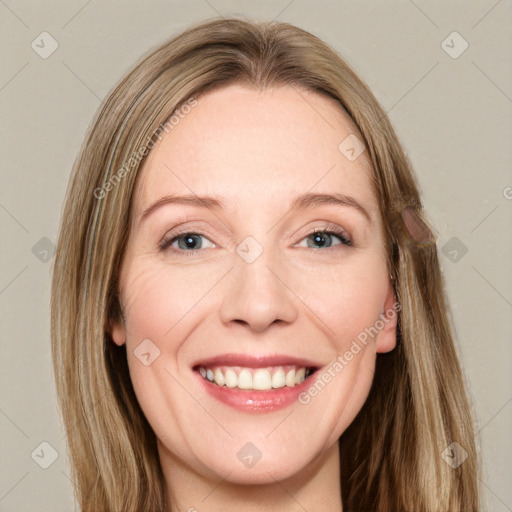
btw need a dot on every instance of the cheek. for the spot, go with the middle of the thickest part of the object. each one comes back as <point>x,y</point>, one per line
<point>346,298</point>
<point>344,301</point>
<point>162,298</point>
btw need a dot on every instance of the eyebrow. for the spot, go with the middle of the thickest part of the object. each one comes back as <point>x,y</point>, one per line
<point>305,201</point>
<point>310,200</point>
<point>192,200</point>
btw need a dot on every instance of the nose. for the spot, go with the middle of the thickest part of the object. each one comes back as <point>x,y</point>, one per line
<point>258,296</point>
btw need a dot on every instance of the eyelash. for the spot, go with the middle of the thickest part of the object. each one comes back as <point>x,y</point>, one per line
<point>328,230</point>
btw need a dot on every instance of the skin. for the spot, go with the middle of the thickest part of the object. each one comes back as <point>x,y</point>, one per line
<point>257,150</point>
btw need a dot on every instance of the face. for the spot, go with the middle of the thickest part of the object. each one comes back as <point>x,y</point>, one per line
<point>254,283</point>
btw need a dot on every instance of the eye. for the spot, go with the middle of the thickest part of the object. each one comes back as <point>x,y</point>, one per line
<point>326,238</point>
<point>187,242</point>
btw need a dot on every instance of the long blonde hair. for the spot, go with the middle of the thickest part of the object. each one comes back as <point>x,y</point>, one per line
<point>391,455</point>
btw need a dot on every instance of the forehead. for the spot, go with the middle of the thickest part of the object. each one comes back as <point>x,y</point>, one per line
<point>255,146</point>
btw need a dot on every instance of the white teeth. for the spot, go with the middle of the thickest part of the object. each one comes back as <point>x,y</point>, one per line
<point>290,378</point>
<point>278,379</point>
<point>231,378</point>
<point>261,379</point>
<point>245,380</point>
<point>300,375</point>
<point>218,377</point>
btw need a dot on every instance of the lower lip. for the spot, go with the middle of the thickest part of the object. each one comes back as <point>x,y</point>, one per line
<point>257,401</point>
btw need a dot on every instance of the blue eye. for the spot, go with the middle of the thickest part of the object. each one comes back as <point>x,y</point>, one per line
<point>187,242</point>
<point>324,239</point>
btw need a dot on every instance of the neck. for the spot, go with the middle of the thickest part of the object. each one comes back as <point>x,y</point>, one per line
<point>317,484</point>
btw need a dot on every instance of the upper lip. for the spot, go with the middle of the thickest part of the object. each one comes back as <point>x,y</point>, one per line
<point>256,361</point>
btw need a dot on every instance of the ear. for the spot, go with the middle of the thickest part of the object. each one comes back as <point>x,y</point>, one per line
<point>117,332</point>
<point>117,329</point>
<point>386,339</point>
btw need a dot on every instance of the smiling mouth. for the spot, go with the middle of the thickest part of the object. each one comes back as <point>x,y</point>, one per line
<point>256,379</point>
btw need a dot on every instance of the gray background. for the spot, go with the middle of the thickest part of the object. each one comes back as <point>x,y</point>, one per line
<point>452,111</point>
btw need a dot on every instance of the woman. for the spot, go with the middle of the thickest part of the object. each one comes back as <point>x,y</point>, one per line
<point>247,306</point>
